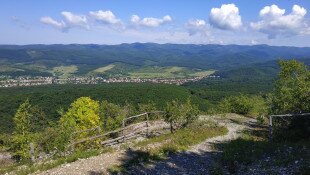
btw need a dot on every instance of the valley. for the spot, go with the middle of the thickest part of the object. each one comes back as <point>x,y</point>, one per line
<point>154,87</point>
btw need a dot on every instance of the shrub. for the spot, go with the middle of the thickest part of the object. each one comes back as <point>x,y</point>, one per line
<point>112,115</point>
<point>244,105</point>
<point>178,114</point>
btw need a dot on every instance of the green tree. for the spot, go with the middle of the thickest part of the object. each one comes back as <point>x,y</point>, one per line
<point>22,119</point>
<point>180,114</point>
<point>191,112</point>
<point>112,115</point>
<point>172,114</point>
<point>244,105</point>
<point>21,134</point>
<point>83,114</point>
<point>130,109</point>
<point>38,119</point>
<point>147,107</point>
<point>292,89</point>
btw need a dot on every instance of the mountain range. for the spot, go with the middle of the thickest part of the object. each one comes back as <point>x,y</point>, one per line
<point>76,59</point>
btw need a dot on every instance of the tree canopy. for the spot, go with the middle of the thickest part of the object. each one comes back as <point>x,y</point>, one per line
<point>292,89</point>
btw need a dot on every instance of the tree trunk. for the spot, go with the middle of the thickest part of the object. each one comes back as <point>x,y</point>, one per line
<point>171,127</point>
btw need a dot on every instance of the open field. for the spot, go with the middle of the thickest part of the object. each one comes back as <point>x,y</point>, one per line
<point>64,71</point>
<point>167,72</point>
<point>6,68</point>
<point>103,69</point>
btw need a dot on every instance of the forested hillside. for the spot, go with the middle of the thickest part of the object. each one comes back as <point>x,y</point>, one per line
<point>46,60</point>
<point>254,79</point>
<point>52,99</point>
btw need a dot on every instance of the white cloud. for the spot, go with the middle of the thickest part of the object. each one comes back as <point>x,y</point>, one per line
<point>150,21</point>
<point>227,17</point>
<point>274,21</point>
<point>61,25</point>
<point>74,20</point>
<point>70,20</point>
<point>105,16</point>
<point>197,26</point>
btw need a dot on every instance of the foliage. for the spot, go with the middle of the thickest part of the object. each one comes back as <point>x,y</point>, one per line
<point>38,120</point>
<point>292,92</point>
<point>22,119</point>
<point>173,114</point>
<point>244,105</point>
<point>84,112</point>
<point>90,57</point>
<point>149,107</point>
<point>22,132</point>
<point>178,114</point>
<point>112,115</point>
<point>190,111</point>
<point>52,98</point>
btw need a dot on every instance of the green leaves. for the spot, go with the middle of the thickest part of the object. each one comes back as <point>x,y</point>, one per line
<point>244,105</point>
<point>83,114</point>
<point>112,115</point>
<point>292,89</point>
<point>180,114</point>
<point>22,118</point>
<point>21,135</point>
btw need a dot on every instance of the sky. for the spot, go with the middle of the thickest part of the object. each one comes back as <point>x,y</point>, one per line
<point>242,22</point>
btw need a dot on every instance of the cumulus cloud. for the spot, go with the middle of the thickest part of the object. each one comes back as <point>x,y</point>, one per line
<point>274,21</point>
<point>107,18</point>
<point>197,26</point>
<point>70,20</point>
<point>150,21</point>
<point>226,18</point>
<point>61,25</point>
<point>75,20</point>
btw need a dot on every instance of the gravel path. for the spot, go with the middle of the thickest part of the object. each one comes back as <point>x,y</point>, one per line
<point>196,160</point>
<point>93,165</point>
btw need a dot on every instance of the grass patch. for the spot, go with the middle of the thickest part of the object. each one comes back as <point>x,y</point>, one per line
<point>27,167</point>
<point>103,69</point>
<point>159,148</point>
<point>202,73</point>
<point>167,72</point>
<point>64,71</point>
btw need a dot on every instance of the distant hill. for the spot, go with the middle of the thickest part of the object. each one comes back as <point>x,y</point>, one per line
<point>86,59</point>
<point>259,71</point>
<point>255,79</point>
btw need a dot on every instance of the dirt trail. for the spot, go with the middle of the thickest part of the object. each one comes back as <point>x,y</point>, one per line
<point>199,158</point>
<point>196,160</point>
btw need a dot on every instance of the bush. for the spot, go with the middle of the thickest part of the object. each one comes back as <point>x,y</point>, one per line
<point>244,105</point>
<point>112,115</point>
<point>180,115</point>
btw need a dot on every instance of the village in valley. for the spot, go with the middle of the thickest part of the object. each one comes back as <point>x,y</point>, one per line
<point>6,81</point>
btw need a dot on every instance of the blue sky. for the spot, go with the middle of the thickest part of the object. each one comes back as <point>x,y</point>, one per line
<point>246,22</point>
